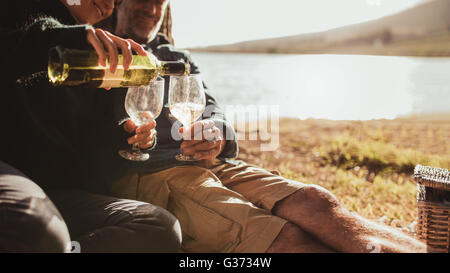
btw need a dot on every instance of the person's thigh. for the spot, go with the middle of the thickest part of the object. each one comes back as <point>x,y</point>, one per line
<point>213,218</point>
<point>259,186</point>
<point>108,224</point>
<point>29,221</point>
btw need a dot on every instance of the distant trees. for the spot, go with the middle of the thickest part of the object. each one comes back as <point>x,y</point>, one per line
<point>386,36</point>
<point>381,37</point>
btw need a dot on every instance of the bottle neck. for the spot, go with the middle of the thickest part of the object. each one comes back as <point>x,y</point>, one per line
<point>175,68</point>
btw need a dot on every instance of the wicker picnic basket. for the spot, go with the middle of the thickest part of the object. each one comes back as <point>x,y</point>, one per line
<point>433,200</point>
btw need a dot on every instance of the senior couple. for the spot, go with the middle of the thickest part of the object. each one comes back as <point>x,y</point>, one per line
<point>62,180</point>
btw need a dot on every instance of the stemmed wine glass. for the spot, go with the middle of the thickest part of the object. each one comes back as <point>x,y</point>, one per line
<point>186,102</point>
<point>143,104</point>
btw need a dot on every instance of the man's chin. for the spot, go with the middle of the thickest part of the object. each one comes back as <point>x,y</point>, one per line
<point>94,19</point>
<point>140,40</point>
<point>145,38</point>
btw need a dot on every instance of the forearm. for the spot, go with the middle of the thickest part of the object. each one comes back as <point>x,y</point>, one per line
<point>30,44</point>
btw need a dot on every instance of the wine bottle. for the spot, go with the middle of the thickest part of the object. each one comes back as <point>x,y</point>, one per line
<point>72,67</point>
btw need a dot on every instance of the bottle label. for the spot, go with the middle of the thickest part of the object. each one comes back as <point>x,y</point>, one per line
<point>112,79</point>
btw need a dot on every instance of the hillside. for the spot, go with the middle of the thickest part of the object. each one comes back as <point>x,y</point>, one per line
<point>423,30</point>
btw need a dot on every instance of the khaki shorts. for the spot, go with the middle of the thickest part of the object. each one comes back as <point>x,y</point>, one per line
<point>221,208</point>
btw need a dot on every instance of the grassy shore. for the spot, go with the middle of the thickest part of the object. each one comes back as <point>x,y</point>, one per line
<point>368,165</point>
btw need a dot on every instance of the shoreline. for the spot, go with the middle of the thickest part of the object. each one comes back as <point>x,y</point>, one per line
<point>318,53</point>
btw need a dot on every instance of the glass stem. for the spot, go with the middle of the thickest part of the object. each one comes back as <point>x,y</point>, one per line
<point>135,148</point>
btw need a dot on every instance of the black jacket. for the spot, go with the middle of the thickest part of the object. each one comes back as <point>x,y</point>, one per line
<point>42,125</point>
<point>69,137</point>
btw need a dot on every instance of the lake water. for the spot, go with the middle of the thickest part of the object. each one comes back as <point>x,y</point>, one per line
<point>338,87</point>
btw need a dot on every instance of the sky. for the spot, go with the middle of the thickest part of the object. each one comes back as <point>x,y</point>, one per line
<point>212,22</point>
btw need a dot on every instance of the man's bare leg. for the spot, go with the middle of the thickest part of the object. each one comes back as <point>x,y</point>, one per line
<point>292,239</point>
<point>318,212</point>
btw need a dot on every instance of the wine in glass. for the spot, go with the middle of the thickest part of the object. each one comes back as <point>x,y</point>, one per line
<point>143,104</point>
<point>186,102</point>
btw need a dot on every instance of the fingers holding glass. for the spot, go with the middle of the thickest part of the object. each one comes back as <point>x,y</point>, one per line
<point>144,140</point>
<point>143,104</point>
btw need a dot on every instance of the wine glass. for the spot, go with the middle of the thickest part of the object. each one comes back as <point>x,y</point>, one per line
<point>143,104</point>
<point>186,102</point>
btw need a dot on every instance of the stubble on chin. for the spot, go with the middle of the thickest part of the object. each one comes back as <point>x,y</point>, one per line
<point>144,36</point>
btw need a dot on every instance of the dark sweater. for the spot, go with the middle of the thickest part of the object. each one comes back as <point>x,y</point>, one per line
<point>41,133</point>
<point>69,137</point>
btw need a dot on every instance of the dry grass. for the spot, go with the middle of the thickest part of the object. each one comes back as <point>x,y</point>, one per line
<point>368,165</point>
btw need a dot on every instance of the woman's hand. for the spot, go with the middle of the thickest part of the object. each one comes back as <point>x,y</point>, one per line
<point>145,134</point>
<point>106,45</point>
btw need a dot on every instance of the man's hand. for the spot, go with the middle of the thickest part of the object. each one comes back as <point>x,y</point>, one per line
<point>145,134</point>
<point>106,44</point>
<point>203,140</point>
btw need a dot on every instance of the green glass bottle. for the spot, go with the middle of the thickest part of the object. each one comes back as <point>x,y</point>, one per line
<point>73,67</point>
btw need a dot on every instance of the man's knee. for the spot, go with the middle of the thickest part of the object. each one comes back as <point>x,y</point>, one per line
<point>311,198</point>
<point>319,197</point>
<point>160,232</point>
<point>32,225</point>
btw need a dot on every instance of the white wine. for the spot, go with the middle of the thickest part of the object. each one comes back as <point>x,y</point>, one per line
<point>72,67</point>
<point>187,112</point>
